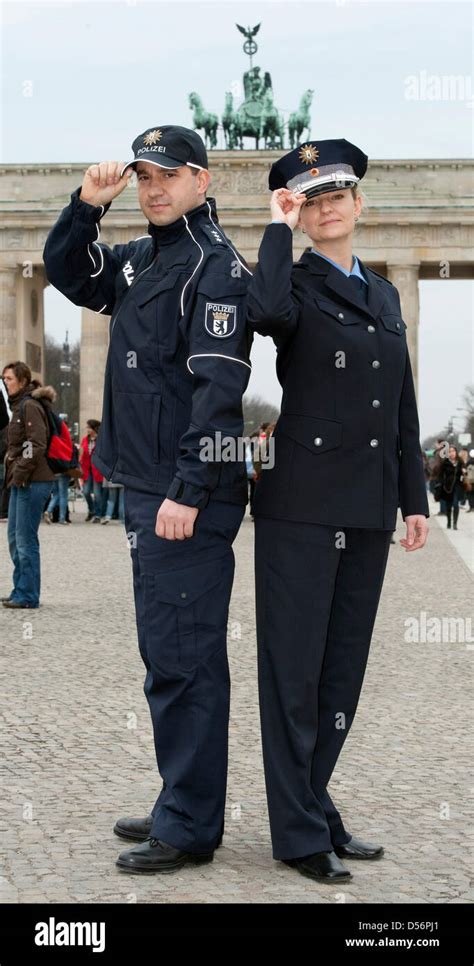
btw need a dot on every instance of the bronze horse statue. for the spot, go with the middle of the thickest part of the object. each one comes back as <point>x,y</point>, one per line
<point>300,119</point>
<point>203,120</point>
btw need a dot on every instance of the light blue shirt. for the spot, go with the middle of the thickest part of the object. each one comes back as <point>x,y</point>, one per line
<point>355,270</point>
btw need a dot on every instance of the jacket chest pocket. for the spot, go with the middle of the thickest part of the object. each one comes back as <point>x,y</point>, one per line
<point>161,303</point>
<point>342,314</point>
<point>152,287</point>
<point>393,323</point>
<point>316,434</point>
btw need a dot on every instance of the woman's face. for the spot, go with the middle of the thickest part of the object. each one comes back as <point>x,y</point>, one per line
<point>12,384</point>
<point>330,216</point>
<point>452,453</point>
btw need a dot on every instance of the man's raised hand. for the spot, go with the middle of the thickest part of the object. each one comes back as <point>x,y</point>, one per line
<point>102,182</point>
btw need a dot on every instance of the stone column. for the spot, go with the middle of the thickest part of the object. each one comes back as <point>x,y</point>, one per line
<point>8,331</point>
<point>405,279</point>
<point>94,345</point>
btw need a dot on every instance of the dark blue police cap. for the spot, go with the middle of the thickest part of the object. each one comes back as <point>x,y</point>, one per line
<point>169,146</point>
<point>318,166</point>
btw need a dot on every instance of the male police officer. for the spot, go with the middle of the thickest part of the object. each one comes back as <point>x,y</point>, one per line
<point>177,366</point>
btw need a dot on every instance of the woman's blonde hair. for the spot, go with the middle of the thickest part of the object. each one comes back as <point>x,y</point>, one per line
<point>357,193</point>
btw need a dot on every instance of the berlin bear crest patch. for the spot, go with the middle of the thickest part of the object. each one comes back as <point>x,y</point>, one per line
<point>220,320</point>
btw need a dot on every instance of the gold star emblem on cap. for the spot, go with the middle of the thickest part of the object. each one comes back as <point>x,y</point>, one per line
<point>152,137</point>
<point>308,154</point>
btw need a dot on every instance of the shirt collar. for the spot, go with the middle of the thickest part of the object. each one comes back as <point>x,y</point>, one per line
<point>355,270</point>
<point>169,234</point>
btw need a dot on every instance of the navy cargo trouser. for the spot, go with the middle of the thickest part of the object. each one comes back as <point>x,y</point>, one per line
<point>182,591</point>
<point>316,608</point>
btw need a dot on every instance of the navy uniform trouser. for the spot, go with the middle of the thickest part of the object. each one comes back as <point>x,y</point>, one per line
<point>316,607</point>
<point>182,591</point>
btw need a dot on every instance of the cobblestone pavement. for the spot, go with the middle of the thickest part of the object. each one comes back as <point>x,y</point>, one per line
<point>78,752</point>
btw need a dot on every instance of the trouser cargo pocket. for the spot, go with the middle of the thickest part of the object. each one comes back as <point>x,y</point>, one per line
<point>186,612</point>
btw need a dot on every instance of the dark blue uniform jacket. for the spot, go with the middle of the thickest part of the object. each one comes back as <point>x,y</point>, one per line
<point>178,358</point>
<point>347,449</point>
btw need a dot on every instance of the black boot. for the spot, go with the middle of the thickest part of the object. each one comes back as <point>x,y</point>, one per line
<point>455,517</point>
<point>448,514</point>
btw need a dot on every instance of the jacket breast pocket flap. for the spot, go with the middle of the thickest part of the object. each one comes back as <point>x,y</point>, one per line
<point>393,323</point>
<point>316,434</point>
<point>153,287</point>
<point>343,315</point>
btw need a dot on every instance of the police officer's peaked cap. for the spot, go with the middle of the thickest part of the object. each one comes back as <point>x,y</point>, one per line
<point>318,166</point>
<point>169,146</point>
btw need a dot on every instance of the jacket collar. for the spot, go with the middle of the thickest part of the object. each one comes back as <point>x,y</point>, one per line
<point>179,230</point>
<point>338,283</point>
<point>46,393</point>
<point>24,391</point>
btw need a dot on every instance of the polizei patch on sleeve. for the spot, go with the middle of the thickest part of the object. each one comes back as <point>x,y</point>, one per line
<point>220,320</point>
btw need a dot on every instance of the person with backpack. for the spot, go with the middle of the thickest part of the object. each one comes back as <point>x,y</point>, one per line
<point>93,480</point>
<point>28,476</point>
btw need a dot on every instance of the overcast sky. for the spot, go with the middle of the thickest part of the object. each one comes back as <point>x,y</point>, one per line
<point>81,80</point>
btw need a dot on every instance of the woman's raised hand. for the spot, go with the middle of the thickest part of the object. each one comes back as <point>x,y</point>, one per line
<point>285,206</point>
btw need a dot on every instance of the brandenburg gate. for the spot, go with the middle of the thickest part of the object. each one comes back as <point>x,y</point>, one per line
<point>417,224</point>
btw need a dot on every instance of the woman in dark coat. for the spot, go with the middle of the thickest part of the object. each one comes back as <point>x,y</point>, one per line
<point>346,455</point>
<point>451,476</point>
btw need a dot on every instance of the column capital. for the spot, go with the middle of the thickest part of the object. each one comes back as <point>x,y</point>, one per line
<point>8,267</point>
<point>400,264</point>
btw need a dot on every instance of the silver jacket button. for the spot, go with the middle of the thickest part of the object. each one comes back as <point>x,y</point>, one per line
<point>376,403</point>
<point>376,364</point>
<point>374,442</point>
<point>371,328</point>
<point>340,315</point>
<point>398,325</point>
<point>318,441</point>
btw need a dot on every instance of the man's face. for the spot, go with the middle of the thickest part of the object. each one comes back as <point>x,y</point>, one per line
<point>164,194</point>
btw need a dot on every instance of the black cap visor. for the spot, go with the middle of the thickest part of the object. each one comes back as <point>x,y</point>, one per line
<point>151,159</point>
<point>311,192</point>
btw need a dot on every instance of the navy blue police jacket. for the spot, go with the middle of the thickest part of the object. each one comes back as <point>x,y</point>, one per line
<point>178,356</point>
<point>346,444</point>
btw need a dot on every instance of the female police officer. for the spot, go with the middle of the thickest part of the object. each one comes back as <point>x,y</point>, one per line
<point>347,453</point>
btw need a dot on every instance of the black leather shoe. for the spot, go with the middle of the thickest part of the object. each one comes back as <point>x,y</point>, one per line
<point>135,829</point>
<point>355,849</point>
<point>322,866</point>
<point>157,856</point>
<point>139,829</point>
